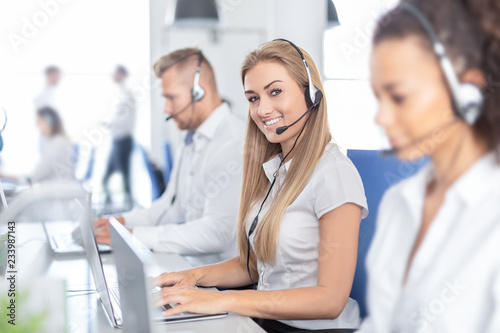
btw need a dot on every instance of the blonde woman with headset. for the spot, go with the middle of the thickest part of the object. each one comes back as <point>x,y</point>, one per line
<point>301,205</point>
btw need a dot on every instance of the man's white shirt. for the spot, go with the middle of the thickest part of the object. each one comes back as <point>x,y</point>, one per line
<point>206,184</point>
<point>124,110</point>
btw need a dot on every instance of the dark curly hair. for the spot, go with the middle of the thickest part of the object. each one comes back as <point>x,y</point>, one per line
<point>470,32</point>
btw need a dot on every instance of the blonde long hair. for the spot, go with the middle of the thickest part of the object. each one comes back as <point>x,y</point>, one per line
<point>258,150</point>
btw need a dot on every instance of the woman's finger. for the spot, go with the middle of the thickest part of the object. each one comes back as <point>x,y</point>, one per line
<point>103,240</point>
<point>167,297</point>
<point>165,280</point>
<point>101,232</point>
<point>176,310</point>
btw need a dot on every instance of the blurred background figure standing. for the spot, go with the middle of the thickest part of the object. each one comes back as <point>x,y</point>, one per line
<point>47,98</point>
<point>121,128</point>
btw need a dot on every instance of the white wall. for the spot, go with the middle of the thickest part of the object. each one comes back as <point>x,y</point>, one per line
<point>245,25</point>
<point>301,22</point>
<point>87,39</point>
<point>351,104</point>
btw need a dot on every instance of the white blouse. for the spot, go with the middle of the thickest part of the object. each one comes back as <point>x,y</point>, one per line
<point>56,162</point>
<point>335,181</point>
<point>454,281</point>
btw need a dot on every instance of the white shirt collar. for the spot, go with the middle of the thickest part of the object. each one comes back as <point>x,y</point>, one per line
<point>209,126</point>
<point>272,165</point>
<point>469,188</point>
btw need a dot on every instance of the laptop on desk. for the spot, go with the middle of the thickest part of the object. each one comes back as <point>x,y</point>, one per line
<point>3,199</point>
<point>65,238</point>
<point>133,262</point>
<point>137,310</point>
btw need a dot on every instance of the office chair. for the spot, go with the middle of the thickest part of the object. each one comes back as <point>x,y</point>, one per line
<point>156,176</point>
<point>86,173</point>
<point>169,164</point>
<point>378,173</point>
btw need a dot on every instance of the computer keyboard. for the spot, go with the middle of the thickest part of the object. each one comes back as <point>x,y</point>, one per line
<point>65,243</point>
<point>116,294</point>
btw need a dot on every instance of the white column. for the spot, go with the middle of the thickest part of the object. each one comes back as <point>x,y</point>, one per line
<point>302,22</point>
<point>157,10</point>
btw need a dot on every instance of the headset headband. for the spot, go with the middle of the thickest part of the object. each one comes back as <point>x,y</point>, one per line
<point>312,91</point>
<point>198,92</point>
<point>467,98</point>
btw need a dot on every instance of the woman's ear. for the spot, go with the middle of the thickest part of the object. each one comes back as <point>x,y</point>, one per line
<point>475,76</point>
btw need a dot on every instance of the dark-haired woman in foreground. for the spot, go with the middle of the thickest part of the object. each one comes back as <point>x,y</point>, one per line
<point>434,264</point>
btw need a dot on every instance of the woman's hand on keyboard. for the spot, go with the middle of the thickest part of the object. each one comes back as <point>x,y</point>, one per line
<point>191,299</point>
<point>177,279</point>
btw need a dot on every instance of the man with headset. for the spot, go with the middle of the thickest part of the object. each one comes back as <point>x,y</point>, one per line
<point>197,212</point>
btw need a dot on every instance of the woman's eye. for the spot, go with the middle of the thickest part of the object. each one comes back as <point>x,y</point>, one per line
<point>398,99</point>
<point>252,99</point>
<point>275,92</point>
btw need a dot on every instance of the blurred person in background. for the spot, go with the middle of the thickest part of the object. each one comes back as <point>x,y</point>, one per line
<point>121,128</point>
<point>434,264</point>
<point>47,98</point>
<point>57,158</point>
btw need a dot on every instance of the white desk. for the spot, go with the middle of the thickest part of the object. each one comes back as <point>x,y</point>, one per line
<point>84,311</point>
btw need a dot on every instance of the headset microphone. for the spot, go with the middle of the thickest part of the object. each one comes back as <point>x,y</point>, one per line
<point>178,113</point>
<point>393,151</point>
<point>281,129</point>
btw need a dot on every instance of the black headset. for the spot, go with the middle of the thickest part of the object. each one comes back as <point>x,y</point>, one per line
<point>468,99</point>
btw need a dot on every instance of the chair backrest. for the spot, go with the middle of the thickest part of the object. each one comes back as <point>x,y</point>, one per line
<point>156,176</point>
<point>83,172</point>
<point>169,164</point>
<point>378,173</point>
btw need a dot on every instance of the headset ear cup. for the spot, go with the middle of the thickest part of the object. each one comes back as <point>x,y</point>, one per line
<point>318,97</point>
<point>198,93</point>
<point>307,96</point>
<point>469,103</point>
